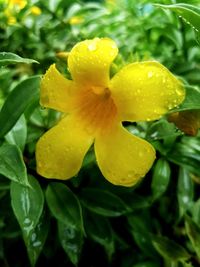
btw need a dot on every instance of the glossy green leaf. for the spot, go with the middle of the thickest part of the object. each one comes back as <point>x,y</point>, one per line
<point>103,202</point>
<point>12,165</point>
<point>64,205</point>
<point>193,232</point>
<point>161,178</point>
<point>196,211</point>
<point>185,191</point>
<point>187,264</point>
<point>98,228</point>
<point>162,129</point>
<point>141,232</point>
<point>11,58</point>
<point>135,201</point>
<point>27,204</point>
<point>189,13</point>
<point>36,237</point>
<point>186,154</point>
<point>169,249</point>
<point>17,135</point>
<point>71,239</point>
<point>16,103</point>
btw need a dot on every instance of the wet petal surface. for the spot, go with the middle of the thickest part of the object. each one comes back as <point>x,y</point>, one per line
<point>145,91</point>
<point>89,61</point>
<point>56,91</point>
<point>122,157</point>
<point>60,151</point>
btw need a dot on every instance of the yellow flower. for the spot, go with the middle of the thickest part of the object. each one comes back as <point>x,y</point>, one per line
<point>19,3</point>
<point>96,106</point>
<point>35,10</point>
<point>13,6</point>
<point>76,20</point>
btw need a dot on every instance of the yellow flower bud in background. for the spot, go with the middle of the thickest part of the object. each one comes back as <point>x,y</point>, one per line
<point>35,10</point>
<point>76,20</point>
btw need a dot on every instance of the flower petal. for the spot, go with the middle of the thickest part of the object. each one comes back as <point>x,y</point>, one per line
<point>89,61</point>
<point>145,91</point>
<point>56,91</point>
<point>60,151</point>
<point>122,157</point>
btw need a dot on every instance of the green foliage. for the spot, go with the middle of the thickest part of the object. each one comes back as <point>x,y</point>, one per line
<point>11,58</point>
<point>28,209</point>
<point>170,249</point>
<point>86,221</point>
<point>190,13</point>
<point>16,103</point>
<point>12,165</point>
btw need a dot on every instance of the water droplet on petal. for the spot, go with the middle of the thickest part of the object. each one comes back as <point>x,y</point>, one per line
<point>179,92</point>
<point>131,174</point>
<point>92,46</point>
<point>150,74</point>
<point>140,154</point>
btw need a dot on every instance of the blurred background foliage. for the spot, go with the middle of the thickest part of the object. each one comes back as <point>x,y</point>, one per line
<point>86,221</point>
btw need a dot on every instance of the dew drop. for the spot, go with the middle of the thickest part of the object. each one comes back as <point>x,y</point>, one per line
<point>92,47</point>
<point>185,199</point>
<point>131,174</point>
<point>27,221</point>
<point>140,154</point>
<point>33,237</point>
<point>67,149</point>
<point>150,74</point>
<point>37,244</point>
<point>179,92</point>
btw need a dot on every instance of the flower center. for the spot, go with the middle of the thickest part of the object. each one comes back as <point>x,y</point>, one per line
<point>96,109</point>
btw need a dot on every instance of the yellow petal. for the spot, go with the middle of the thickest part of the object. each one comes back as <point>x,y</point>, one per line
<point>145,91</point>
<point>60,151</point>
<point>122,157</point>
<point>89,61</point>
<point>56,91</point>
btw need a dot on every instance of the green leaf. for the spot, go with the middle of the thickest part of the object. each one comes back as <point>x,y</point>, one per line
<point>66,208</point>
<point>16,103</point>
<point>12,165</point>
<point>11,58</point>
<point>189,13</point>
<point>162,129</point>
<point>185,191</point>
<point>141,232</point>
<point>135,201</point>
<point>17,135</point>
<point>103,202</point>
<point>186,154</point>
<point>64,205</point>
<point>147,264</point>
<point>161,178</point>
<point>71,239</point>
<point>193,232</point>
<point>98,228</point>
<point>36,237</point>
<point>196,211</point>
<point>27,204</point>
<point>192,99</point>
<point>169,249</point>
